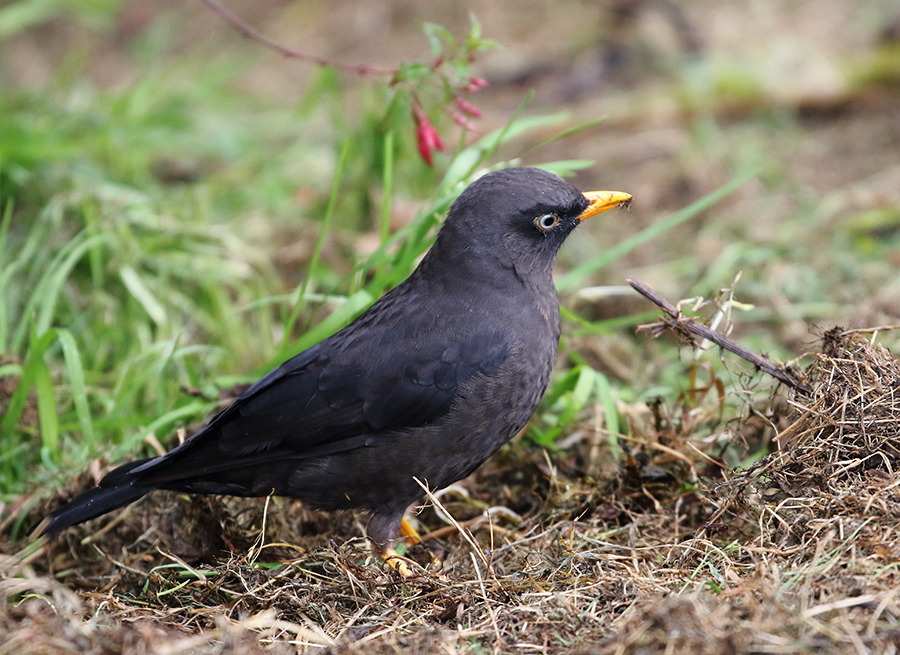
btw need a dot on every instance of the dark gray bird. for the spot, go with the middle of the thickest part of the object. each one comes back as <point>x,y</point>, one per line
<point>429,382</point>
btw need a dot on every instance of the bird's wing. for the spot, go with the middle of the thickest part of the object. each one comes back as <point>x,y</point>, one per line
<point>337,395</point>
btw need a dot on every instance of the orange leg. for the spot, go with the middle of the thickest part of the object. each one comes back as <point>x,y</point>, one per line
<point>410,532</point>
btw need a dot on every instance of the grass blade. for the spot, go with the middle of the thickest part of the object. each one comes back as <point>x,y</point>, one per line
<point>4,276</point>
<point>47,291</point>
<point>608,400</point>
<point>30,369</point>
<point>142,294</point>
<point>317,250</point>
<point>46,405</point>
<point>577,274</point>
<point>76,381</point>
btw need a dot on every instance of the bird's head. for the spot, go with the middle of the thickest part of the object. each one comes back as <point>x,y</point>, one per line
<point>518,217</point>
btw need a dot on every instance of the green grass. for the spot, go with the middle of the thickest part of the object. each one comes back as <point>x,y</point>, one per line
<point>119,288</point>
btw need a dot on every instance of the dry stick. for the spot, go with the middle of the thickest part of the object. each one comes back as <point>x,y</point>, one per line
<point>684,324</point>
<point>200,575</point>
<point>260,542</point>
<point>251,33</point>
<point>500,643</point>
<point>465,533</point>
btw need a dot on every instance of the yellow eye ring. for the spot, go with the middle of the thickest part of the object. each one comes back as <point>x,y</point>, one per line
<point>546,222</point>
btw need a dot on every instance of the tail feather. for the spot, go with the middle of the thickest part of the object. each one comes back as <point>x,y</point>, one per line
<point>113,492</point>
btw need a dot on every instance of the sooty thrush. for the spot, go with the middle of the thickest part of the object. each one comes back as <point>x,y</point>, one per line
<point>429,382</point>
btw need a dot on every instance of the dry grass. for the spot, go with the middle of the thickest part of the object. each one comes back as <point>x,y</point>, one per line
<point>664,552</point>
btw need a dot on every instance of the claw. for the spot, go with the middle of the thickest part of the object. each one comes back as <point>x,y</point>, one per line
<point>396,562</point>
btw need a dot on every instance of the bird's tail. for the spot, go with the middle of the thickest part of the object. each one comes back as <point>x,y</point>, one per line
<point>114,491</point>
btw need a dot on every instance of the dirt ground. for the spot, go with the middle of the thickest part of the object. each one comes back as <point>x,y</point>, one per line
<point>649,545</point>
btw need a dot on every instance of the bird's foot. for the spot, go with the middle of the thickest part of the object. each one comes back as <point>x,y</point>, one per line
<point>396,561</point>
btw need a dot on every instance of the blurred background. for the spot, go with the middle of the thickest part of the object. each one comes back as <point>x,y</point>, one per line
<point>184,206</point>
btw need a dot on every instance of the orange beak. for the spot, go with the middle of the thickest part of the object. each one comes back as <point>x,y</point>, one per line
<point>603,200</point>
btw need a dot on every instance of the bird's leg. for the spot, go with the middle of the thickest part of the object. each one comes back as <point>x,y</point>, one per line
<point>382,530</point>
<point>393,559</point>
<point>409,532</point>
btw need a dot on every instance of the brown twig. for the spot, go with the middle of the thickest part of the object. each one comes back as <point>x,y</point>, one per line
<point>683,324</point>
<point>252,33</point>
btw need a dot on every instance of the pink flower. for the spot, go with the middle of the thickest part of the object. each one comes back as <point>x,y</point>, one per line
<point>462,121</point>
<point>426,135</point>
<point>476,84</point>
<point>467,107</point>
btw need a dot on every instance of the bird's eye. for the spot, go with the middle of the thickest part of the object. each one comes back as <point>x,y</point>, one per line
<point>546,222</point>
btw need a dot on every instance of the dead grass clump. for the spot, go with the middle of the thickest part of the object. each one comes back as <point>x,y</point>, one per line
<point>802,552</point>
<point>42,615</point>
<point>850,427</point>
<point>839,454</point>
<point>757,618</point>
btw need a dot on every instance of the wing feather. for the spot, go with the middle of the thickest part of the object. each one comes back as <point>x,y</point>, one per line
<point>338,395</point>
